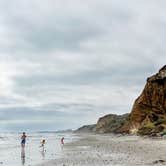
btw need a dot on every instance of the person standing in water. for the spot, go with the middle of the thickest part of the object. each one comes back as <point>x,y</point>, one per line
<point>23,139</point>
<point>43,142</point>
<point>62,141</point>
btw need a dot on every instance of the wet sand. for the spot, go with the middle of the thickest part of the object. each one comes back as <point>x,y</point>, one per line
<point>11,153</point>
<point>101,150</point>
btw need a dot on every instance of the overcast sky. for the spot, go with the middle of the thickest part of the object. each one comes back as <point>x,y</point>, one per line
<point>66,63</point>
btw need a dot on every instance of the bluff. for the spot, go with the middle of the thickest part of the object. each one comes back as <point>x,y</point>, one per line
<point>106,124</point>
<point>86,129</point>
<point>148,115</point>
<point>110,123</point>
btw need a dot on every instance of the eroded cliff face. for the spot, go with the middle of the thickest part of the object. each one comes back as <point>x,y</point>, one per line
<point>86,129</point>
<point>106,124</point>
<point>110,123</point>
<point>148,115</point>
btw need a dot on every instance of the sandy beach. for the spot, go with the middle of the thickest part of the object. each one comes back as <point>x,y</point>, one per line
<point>100,150</point>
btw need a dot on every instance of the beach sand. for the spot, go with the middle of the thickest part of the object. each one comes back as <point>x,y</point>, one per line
<point>101,150</point>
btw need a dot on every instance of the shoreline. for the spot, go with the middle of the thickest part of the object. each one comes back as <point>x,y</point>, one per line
<point>111,150</point>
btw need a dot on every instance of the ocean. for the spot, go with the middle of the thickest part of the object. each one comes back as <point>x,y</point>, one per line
<point>11,152</point>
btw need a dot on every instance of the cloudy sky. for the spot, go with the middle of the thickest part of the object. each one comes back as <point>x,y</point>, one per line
<point>66,63</point>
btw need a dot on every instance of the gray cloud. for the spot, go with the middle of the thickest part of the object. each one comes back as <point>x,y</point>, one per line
<point>67,60</point>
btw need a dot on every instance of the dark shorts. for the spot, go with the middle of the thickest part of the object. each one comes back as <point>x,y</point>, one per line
<point>23,141</point>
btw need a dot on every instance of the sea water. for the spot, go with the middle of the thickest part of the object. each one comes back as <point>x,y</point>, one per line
<point>11,153</point>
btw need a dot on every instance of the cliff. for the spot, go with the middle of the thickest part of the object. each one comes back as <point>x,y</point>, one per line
<point>148,115</point>
<point>107,124</point>
<point>110,123</point>
<point>86,129</point>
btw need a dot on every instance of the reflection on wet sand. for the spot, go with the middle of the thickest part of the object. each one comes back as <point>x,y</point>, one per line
<point>43,153</point>
<point>23,156</point>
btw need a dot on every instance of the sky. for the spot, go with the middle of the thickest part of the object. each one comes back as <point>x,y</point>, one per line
<point>64,64</point>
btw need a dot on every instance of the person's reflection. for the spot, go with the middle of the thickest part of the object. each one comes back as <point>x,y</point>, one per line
<point>43,153</point>
<point>22,156</point>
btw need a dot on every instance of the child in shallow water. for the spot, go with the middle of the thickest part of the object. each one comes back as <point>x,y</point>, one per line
<point>62,141</point>
<point>43,143</point>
